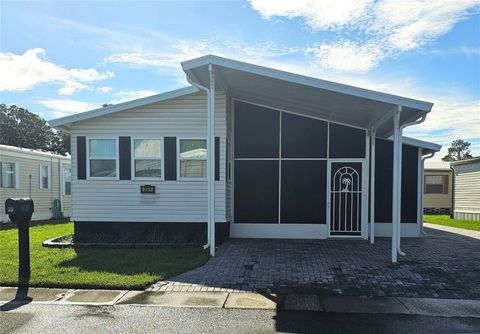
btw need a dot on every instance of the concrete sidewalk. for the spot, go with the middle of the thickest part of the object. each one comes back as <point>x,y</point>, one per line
<point>11,298</point>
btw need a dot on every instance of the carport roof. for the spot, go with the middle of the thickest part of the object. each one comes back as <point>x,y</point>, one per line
<point>306,95</point>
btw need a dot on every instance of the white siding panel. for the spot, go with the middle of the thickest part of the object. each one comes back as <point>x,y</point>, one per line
<point>174,201</point>
<point>29,164</point>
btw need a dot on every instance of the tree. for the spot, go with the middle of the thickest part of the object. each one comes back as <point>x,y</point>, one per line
<point>459,150</point>
<point>21,128</point>
<point>61,143</point>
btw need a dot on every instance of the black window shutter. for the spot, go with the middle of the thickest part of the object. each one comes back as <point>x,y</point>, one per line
<point>217,158</point>
<point>170,156</point>
<point>125,162</point>
<point>81,158</point>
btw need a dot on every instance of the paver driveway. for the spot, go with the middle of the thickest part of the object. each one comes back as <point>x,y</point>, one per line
<point>440,264</point>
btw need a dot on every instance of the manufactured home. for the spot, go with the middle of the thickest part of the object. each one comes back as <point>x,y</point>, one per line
<point>437,188</point>
<point>42,176</point>
<point>466,189</point>
<point>251,152</point>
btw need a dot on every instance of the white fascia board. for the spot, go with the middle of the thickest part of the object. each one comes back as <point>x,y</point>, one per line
<point>308,81</point>
<point>62,123</point>
<point>21,152</point>
<point>420,143</point>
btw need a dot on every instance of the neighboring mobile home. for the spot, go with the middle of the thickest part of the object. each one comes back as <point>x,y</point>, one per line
<point>253,152</point>
<point>45,177</point>
<point>466,189</point>
<point>437,188</point>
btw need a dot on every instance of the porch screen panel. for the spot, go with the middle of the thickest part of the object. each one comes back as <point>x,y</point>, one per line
<point>303,137</point>
<point>303,191</point>
<point>256,191</point>
<point>346,142</point>
<point>409,184</point>
<point>256,131</point>
<point>383,184</point>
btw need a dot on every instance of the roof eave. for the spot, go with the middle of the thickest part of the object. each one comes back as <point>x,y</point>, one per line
<point>64,122</point>
<point>190,65</point>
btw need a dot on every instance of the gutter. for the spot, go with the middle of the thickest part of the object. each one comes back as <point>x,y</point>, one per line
<point>452,209</point>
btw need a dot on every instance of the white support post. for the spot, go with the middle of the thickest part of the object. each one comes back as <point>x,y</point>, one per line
<point>396,185</point>
<point>372,186</point>
<point>399,178</point>
<point>211,160</point>
<point>366,189</point>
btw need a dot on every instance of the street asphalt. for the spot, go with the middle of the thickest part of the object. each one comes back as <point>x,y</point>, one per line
<point>51,318</point>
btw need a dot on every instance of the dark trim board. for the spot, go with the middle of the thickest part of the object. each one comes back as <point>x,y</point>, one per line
<point>172,232</point>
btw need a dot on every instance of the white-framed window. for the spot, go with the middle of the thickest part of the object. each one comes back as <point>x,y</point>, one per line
<point>8,174</point>
<point>192,159</point>
<point>147,158</point>
<point>102,158</point>
<point>67,181</point>
<point>436,184</point>
<point>44,177</point>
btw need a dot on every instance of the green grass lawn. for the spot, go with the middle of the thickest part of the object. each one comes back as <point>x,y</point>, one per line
<point>94,267</point>
<point>447,221</point>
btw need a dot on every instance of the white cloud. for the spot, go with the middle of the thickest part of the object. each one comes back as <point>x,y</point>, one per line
<point>65,107</point>
<point>123,96</point>
<point>391,26</point>
<point>319,15</point>
<point>409,24</point>
<point>348,56</point>
<point>185,50</point>
<point>105,89</point>
<point>23,72</point>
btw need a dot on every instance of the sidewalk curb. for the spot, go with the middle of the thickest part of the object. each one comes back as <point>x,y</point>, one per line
<point>256,301</point>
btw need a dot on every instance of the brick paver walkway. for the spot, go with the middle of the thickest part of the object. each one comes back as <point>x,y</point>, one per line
<point>440,265</point>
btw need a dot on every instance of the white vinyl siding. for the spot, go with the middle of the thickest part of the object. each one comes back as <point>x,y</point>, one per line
<point>173,201</point>
<point>27,181</point>
<point>467,191</point>
<point>439,200</point>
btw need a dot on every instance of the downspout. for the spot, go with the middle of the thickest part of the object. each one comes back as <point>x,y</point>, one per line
<point>60,183</point>
<point>50,180</point>
<point>423,190</point>
<point>452,206</point>
<point>399,212</point>
<point>210,158</point>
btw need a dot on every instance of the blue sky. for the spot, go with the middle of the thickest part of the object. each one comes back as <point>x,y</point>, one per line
<point>59,58</point>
